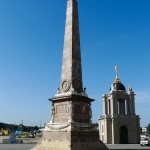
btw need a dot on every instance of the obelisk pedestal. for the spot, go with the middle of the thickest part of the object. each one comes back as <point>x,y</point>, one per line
<point>71,136</point>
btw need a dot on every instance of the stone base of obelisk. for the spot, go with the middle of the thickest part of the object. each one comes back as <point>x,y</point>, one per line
<point>70,136</point>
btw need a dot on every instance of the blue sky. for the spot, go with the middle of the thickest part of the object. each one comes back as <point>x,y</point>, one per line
<point>31,44</point>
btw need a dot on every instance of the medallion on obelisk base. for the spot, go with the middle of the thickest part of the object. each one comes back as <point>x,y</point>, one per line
<point>71,127</point>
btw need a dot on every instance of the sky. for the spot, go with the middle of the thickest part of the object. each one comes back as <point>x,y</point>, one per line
<point>112,32</point>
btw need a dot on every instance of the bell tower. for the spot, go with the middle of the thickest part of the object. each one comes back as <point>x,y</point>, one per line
<point>119,123</point>
<point>71,127</point>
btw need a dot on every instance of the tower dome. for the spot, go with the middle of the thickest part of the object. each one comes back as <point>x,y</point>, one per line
<point>117,87</point>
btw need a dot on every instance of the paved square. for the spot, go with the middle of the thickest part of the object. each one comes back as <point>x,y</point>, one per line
<point>16,146</point>
<point>110,146</point>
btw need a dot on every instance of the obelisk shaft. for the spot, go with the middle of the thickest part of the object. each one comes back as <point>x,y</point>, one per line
<point>71,76</point>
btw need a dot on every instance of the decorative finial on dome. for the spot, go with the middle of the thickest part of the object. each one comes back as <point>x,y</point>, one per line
<point>130,88</point>
<point>117,79</point>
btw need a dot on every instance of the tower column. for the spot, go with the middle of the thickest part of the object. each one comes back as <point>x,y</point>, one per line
<point>112,105</point>
<point>108,107</point>
<point>113,132</point>
<point>132,104</point>
<point>104,106</point>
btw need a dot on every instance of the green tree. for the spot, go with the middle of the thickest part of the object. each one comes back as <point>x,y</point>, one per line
<point>141,130</point>
<point>148,129</point>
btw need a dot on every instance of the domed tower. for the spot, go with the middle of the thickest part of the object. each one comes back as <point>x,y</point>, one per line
<point>119,123</point>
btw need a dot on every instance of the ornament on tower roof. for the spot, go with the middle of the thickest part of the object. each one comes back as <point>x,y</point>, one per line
<point>117,85</point>
<point>117,79</point>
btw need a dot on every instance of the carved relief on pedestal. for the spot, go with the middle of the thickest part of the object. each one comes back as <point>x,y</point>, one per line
<point>90,114</point>
<point>52,113</point>
<point>70,111</point>
<point>66,85</point>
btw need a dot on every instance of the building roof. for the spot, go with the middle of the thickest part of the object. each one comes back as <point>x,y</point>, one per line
<point>117,86</point>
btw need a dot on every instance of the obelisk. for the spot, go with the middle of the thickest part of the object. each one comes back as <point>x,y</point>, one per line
<point>71,127</point>
<point>71,76</point>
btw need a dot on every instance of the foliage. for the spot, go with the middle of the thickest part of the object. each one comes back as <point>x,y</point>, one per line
<point>12,128</point>
<point>148,129</point>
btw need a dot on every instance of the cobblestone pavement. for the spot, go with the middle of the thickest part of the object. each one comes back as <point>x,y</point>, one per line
<point>110,146</point>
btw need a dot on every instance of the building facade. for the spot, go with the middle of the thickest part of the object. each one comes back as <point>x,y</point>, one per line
<point>119,123</point>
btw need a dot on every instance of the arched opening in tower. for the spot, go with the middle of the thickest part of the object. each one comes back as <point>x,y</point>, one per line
<point>123,135</point>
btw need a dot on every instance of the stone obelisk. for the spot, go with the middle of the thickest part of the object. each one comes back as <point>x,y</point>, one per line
<point>70,127</point>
